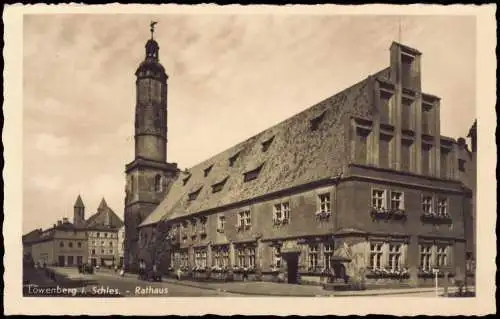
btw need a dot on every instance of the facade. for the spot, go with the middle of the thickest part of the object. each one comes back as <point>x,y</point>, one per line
<point>362,183</point>
<point>97,240</point>
<point>104,232</point>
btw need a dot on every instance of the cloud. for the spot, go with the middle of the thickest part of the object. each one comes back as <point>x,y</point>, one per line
<point>45,183</point>
<point>52,145</point>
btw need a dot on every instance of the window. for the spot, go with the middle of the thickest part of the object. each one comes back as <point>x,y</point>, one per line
<point>397,200</point>
<point>184,259</point>
<point>426,158</point>
<point>233,159</point>
<point>384,151</point>
<point>253,174</point>
<point>276,257</point>
<point>426,119</point>
<point>97,235</point>
<point>441,256</point>
<point>461,165</point>
<point>244,219</point>
<point>158,183</point>
<point>427,205</point>
<point>406,72</point>
<point>406,114</point>
<point>315,122</point>
<point>61,244</point>
<point>313,256</point>
<point>266,144</point>
<point>102,251</point>
<point>221,256</point>
<point>378,199</point>
<point>110,244</point>
<point>111,251</point>
<point>219,186</point>
<point>442,207</point>
<point>79,245</point>
<point>240,261</point>
<point>395,256</point>
<point>102,242</point>
<point>376,255</point>
<point>221,222</point>
<point>250,254</point>
<point>406,149</point>
<point>207,170</point>
<point>105,235</point>
<point>70,245</point>
<point>194,195</point>
<point>328,253</point>
<point>425,257</point>
<point>93,251</point>
<point>194,227</point>
<point>281,212</point>
<point>385,107</point>
<point>362,145</point>
<point>444,162</point>
<point>324,203</point>
<point>200,258</point>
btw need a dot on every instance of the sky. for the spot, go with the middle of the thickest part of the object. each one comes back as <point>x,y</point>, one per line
<point>230,77</point>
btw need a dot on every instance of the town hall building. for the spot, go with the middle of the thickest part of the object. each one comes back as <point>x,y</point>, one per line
<point>363,179</point>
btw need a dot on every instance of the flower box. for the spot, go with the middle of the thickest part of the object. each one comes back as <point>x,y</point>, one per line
<point>284,221</point>
<point>322,215</point>
<point>436,219</point>
<point>388,273</point>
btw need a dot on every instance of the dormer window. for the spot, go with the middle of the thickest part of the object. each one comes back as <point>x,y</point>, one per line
<point>194,195</point>
<point>233,159</point>
<point>253,174</point>
<point>207,170</point>
<point>315,122</point>
<point>186,179</point>
<point>219,186</point>
<point>266,144</point>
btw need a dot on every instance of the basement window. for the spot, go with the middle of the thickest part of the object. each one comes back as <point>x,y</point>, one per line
<point>253,174</point>
<point>207,170</point>
<point>266,144</point>
<point>217,187</point>
<point>233,159</point>
<point>194,195</point>
<point>315,122</point>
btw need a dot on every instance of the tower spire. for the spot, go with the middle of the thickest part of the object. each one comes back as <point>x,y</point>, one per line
<point>152,25</point>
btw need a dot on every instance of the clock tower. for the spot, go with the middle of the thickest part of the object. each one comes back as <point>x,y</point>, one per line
<point>149,175</point>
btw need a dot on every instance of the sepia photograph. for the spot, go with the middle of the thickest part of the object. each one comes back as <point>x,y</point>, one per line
<point>245,153</point>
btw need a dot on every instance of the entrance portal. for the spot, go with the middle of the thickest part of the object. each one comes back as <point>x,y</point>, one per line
<point>292,263</point>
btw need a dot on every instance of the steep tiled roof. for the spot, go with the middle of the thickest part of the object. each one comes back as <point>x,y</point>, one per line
<point>296,154</point>
<point>79,202</point>
<point>105,218</point>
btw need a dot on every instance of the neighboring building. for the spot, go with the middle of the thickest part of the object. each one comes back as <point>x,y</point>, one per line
<point>103,229</point>
<point>364,175</point>
<point>62,245</point>
<point>468,175</point>
<point>98,240</point>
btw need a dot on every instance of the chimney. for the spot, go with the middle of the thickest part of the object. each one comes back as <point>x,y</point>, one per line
<point>65,220</point>
<point>59,222</point>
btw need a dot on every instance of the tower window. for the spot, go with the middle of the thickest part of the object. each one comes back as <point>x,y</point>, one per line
<point>233,159</point>
<point>266,144</point>
<point>158,183</point>
<point>461,165</point>
<point>253,174</point>
<point>315,122</point>
<point>194,195</point>
<point>207,170</point>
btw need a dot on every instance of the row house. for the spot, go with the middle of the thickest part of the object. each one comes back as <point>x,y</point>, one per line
<point>362,183</point>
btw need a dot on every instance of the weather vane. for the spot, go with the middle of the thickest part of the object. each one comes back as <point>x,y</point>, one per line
<point>153,28</point>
